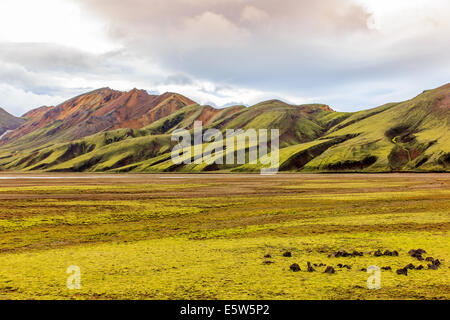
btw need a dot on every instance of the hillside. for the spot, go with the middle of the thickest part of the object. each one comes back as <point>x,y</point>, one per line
<point>8,122</point>
<point>115,131</point>
<point>100,110</point>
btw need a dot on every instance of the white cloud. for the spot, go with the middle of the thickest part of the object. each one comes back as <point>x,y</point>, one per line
<point>350,54</point>
<point>18,102</point>
<point>53,21</point>
<point>254,15</point>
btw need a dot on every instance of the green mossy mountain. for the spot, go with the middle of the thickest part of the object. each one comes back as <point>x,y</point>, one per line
<point>413,136</point>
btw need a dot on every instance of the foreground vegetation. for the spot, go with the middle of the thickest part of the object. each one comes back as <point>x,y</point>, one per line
<point>206,236</point>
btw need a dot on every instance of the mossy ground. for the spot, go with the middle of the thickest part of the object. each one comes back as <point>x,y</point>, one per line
<point>205,236</point>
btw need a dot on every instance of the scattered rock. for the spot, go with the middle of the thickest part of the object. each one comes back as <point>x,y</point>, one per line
<point>330,270</point>
<point>267,256</point>
<point>268,262</point>
<point>287,254</point>
<point>388,253</point>
<point>410,266</point>
<point>430,259</point>
<point>402,271</point>
<point>295,267</point>
<point>343,253</point>
<point>417,253</point>
<point>322,265</point>
<point>378,253</point>
<point>310,268</point>
<point>386,268</point>
<point>435,265</point>
<point>347,266</point>
<point>419,267</point>
<point>357,253</point>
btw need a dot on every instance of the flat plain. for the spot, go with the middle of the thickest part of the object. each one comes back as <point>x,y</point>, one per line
<point>209,236</point>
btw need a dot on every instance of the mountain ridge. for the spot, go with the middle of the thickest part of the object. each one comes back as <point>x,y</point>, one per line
<point>131,132</point>
<point>8,121</point>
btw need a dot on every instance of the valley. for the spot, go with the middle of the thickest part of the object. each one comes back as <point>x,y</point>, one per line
<point>223,236</point>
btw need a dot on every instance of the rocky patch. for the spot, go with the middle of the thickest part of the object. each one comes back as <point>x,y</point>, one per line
<point>295,267</point>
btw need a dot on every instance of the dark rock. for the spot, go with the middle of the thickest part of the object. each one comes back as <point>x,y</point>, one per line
<point>437,262</point>
<point>433,267</point>
<point>387,253</point>
<point>268,262</point>
<point>295,267</point>
<point>410,266</point>
<point>430,259</point>
<point>419,267</point>
<point>395,253</point>
<point>417,253</point>
<point>287,254</point>
<point>364,269</point>
<point>386,268</point>
<point>343,253</point>
<point>340,265</point>
<point>267,256</point>
<point>347,266</point>
<point>322,265</point>
<point>402,271</point>
<point>378,253</point>
<point>329,270</point>
<point>310,268</point>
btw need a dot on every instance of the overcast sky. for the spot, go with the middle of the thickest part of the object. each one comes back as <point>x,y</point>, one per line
<point>350,54</point>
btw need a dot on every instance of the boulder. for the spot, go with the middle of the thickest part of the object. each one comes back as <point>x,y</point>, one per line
<point>295,267</point>
<point>402,271</point>
<point>330,270</point>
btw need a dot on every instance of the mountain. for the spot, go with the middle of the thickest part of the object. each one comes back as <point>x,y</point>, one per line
<point>96,111</point>
<point>8,122</point>
<point>107,130</point>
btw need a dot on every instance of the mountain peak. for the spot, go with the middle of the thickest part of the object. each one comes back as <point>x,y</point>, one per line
<point>8,121</point>
<point>99,110</point>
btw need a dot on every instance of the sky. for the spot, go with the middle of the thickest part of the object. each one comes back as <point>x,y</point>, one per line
<point>349,54</point>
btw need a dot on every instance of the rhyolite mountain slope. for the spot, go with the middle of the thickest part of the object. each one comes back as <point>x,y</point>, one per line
<point>113,131</point>
<point>96,111</point>
<point>8,122</point>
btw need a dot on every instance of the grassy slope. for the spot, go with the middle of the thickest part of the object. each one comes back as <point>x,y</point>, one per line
<point>412,135</point>
<point>409,136</point>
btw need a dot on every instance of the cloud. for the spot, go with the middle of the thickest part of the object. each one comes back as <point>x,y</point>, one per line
<point>18,102</point>
<point>350,54</point>
<point>293,47</point>
<point>254,15</point>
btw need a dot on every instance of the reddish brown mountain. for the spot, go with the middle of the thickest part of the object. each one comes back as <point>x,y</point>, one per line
<point>99,110</point>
